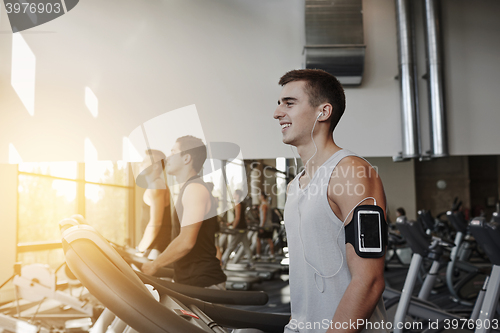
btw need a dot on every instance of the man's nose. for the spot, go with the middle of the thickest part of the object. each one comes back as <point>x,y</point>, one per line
<point>278,113</point>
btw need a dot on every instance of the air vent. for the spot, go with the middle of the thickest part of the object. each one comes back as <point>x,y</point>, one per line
<point>334,39</point>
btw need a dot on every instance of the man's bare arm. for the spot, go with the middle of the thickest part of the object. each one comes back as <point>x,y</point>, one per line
<point>264,215</point>
<point>237,212</point>
<point>196,202</point>
<point>367,283</point>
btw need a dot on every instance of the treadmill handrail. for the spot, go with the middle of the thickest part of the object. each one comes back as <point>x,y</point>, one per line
<point>119,291</point>
<point>83,231</point>
<point>110,279</point>
<point>225,316</point>
<point>231,297</point>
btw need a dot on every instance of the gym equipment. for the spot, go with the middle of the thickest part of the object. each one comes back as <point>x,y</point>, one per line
<point>37,282</point>
<point>233,282</point>
<point>419,243</point>
<point>270,265</point>
<point>233,269</point>
<point>110,279</point>
<point>489,236</point>
<point>458,265</point>
<point>432,225</point>
<point>408,305</point>
<point>9,324</point>
<point>422,245</point>
<point>394,243</point>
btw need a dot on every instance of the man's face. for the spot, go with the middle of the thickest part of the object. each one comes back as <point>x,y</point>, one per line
<point>175,160</point>
<point>296,116</point>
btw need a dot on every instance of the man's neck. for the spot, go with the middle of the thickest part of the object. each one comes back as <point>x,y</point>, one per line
<point>184,175</point>
<point>325,148</point>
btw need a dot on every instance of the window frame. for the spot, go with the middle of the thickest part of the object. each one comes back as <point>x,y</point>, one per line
<point>80,181</point>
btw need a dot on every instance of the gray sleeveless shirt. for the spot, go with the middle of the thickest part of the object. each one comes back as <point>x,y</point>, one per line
<point>319,274</point>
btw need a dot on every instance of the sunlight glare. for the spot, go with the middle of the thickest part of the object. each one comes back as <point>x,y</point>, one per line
<point>14,157</point>
<point>129,152</point>
<point>91,102</point>
<point>23,72</point>
<point>95,171</point>
<point>65,188</point>
<point>57,169</point>
<point>93,192</point>
<point>90,151</point>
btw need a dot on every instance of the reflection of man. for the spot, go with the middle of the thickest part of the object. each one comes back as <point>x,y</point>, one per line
<point>329,282</point>
<point>193,249</point>
<point>156,208</point>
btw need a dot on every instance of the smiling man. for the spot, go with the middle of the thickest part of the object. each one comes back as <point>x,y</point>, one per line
<point>192,251</point>
<point>332,288</point>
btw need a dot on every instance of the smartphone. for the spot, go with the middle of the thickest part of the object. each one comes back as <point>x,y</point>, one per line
<point>369,231</point>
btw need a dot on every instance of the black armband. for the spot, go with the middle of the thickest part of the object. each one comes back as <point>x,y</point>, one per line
<point>367,231</point>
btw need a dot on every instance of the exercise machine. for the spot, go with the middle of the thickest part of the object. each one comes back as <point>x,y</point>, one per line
<point>111,280</point>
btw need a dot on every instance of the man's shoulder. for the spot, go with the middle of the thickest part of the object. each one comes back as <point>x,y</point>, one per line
<point>354,160</point>
<point>353,166</point>
<point>195,190</point>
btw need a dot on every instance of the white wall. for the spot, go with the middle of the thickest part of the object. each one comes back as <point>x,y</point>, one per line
<point>144,58</point>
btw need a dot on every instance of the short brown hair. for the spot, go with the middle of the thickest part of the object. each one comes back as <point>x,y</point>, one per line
<point>196,148</point>
<point>321,87</point>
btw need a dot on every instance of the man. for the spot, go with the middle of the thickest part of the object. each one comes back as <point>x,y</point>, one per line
<point>265,226</point>
<point>239,223</point>
<point>192,251</point>
<point>330,285</point>
<point>156,205</point>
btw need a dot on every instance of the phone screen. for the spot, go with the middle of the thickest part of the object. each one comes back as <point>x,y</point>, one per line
<point>369,230</point>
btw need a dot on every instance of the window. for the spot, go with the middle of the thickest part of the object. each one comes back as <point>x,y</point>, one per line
<point>49,192</point>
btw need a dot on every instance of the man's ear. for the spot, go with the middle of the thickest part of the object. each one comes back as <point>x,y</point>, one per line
<point>327,110</point>
<point>187,158</point>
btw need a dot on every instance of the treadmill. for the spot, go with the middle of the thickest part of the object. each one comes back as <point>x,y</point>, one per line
<point>264,272</point>
<point>233,282</point>
<point>154,308</point>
